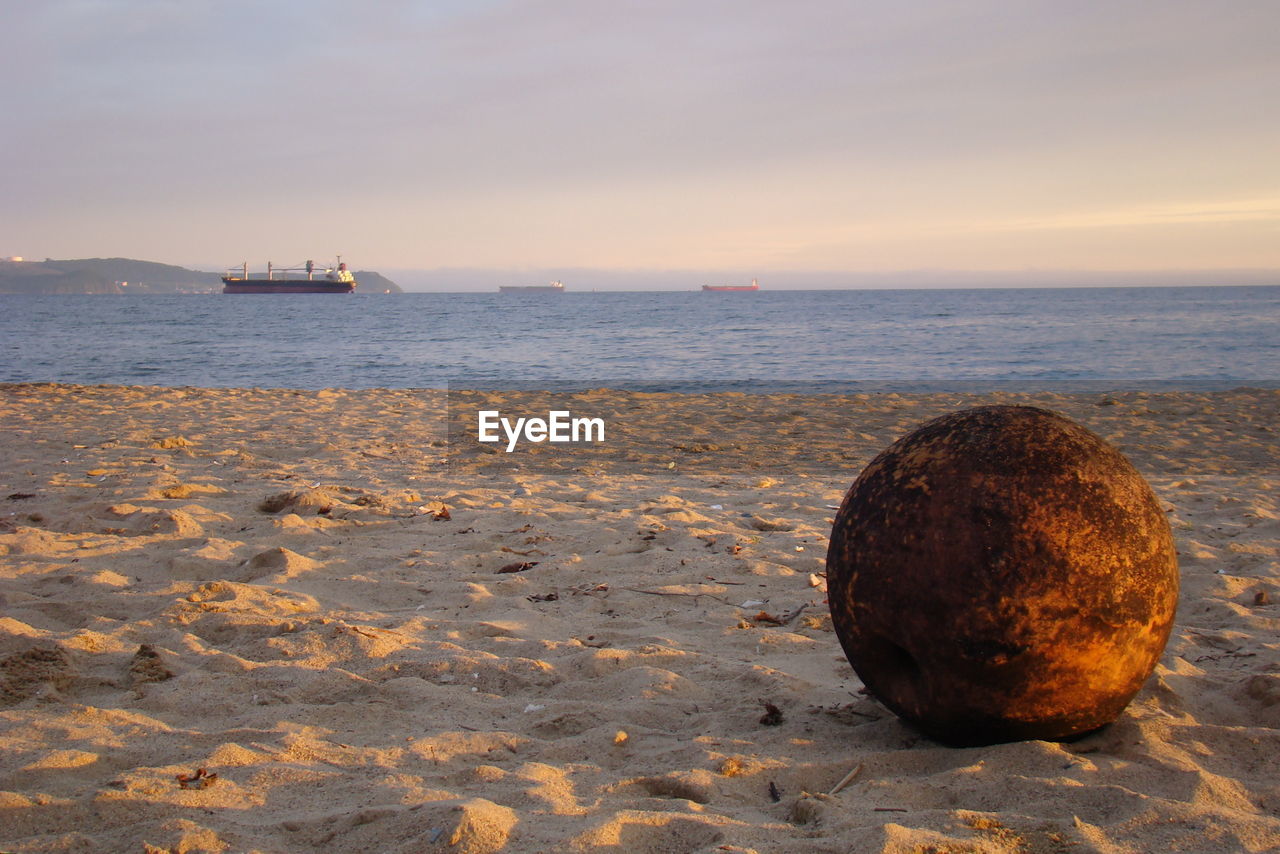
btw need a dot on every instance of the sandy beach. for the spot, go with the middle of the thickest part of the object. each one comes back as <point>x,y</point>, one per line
<point>286,621</point>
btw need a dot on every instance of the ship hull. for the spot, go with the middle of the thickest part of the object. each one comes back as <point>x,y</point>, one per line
<point>529,289</point>
<point>720,288</point>
<point>285,286</point>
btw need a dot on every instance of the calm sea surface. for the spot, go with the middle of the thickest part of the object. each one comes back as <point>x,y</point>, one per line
<point>1190,338</point>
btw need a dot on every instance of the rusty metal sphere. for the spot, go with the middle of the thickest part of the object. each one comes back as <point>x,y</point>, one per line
<point>1002,573</point>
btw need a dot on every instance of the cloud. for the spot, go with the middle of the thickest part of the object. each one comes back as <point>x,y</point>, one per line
<point>1159,216</point>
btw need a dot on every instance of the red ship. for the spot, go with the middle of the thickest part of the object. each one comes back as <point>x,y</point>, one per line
<point>754,286</point>
<point>308,280</point>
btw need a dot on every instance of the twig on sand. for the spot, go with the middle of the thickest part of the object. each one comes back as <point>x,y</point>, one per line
<point>676,593</point>
<point>789,618</point>
<point>848,778</point>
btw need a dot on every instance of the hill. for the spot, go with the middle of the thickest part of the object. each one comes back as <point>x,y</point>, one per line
<point>35,278</point>
<point>375,283</point>
<point>101,276</point>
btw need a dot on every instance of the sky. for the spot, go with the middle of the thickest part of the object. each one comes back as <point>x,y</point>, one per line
<point>633,135</point>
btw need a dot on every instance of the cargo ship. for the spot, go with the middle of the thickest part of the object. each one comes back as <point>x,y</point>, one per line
<point>307,279</point>
<point>553,288</point>
<point>754,286</point>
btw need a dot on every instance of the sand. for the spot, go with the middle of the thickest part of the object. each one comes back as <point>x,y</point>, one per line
<point>277,621</point>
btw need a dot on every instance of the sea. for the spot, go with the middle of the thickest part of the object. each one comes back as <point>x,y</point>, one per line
<point>1180,338</point>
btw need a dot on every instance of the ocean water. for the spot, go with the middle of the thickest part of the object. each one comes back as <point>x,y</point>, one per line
<point>1050,339</point>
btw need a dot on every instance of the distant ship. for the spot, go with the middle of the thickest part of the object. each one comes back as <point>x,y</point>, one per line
<point>306,280</point>
<point>754,286</point>
<point>553,288</point>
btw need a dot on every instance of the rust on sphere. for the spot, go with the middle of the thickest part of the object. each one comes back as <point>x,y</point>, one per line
<point>1002,573</point>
